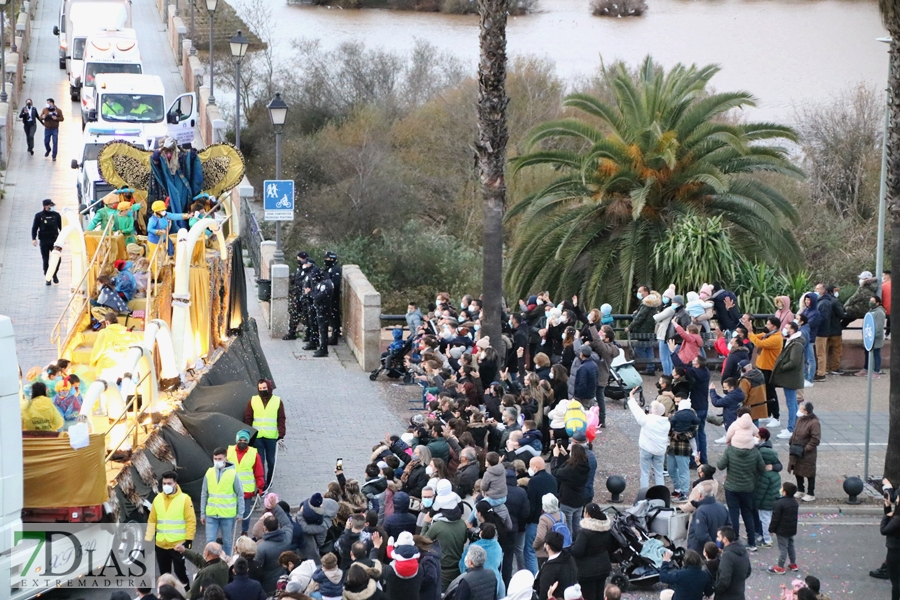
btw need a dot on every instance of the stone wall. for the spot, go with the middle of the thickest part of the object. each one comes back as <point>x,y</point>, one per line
<point>14,72</point>
<point>361,326</point>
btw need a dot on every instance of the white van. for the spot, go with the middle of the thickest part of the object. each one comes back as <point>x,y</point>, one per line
<point>128,102</point>
<point>108,51</point>
<point>78,19</point>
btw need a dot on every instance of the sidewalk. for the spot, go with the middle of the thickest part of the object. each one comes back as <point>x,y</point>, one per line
<point>333,411</point>
<point>33,306</point>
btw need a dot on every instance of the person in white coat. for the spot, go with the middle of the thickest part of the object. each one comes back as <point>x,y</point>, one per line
<point>653,441</point>
<point>663,318</point>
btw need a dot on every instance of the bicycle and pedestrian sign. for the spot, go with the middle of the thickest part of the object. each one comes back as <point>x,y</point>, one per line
<point>278,199</point>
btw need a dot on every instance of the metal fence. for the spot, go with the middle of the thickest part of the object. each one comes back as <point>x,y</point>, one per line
<point>251,234</point>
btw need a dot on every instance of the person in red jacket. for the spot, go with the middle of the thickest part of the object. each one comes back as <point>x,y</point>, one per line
<point>249,465</point>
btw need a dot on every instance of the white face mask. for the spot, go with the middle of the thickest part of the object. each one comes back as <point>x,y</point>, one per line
<point>837,294</point>
<point>481,355</point>
<point>168,489</point>
<point>219,464</point>
<point>463,305</point>
<point>530,472</point>
<point>539,302</point>
<point>429,470</point>
<point>800,413</point>
<point>786,332</point>
<point>563,336</point>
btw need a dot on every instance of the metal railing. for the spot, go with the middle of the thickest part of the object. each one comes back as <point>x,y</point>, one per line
<point>133,431</point>
<point>55,333</point>
<point>251,234</point>
<point>150,282</point>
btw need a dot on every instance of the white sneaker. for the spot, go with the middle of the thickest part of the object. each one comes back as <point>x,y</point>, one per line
<point>799,494</point>
<point>721,440</point>
<point>784,434</point>
<point>773,422</point>
<point>808,498</point>
<point>807,384</point>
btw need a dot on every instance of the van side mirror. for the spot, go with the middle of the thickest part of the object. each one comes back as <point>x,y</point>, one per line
<point>55,30</point>
<point>172,119</point>
<point>75,164</point>
<point>92,115</point>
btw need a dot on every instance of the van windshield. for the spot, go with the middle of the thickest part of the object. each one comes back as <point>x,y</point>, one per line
<point>132,108</point>
<point>92,69</point>
<point>91,152</point>
<point>78,50</point>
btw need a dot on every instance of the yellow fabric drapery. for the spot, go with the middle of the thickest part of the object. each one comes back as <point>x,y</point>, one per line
<point>112,345</point>
<point>56,475</point>
<point>199,309</point>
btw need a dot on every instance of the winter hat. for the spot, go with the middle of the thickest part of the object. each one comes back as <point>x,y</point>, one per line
<point>316,500</point>
<point>743,364</point>
<point>549,503</point>
<point>443,488</point>
<point>294,587</point>
<point>678,299</point>
<point>456,352</point>
<point>242,434</point>
<point>605,309</point>
<point>865,275</point>
<point>684,405</point>
<point>573,592</point>
<point>657,408</point>
<point>670,292</point>
<point>706,290</point>
<point>484,342</point>
<point>742,432</point>
<point>407,438</point>
<point>693,297</point>
<point>579,436</point>
<point>405,547</point>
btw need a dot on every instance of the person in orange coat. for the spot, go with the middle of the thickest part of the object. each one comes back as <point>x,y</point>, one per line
<point>769,344</point>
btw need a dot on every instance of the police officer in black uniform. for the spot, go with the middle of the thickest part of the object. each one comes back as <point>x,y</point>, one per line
<point>322,292</point>
<point>333,272</point>
<point>308,309</point>
<point>295,297</point>
<point>45,228</point>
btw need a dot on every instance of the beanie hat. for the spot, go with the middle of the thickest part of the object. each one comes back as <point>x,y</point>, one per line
<point>483,342</point>
<point>405,547</point>
<point>294,587</point>
<point>315,500</point>
<point>549,503</point>
<point>407,438</point>
<point>692,296</point>
<point>605,309</point>
<point>743,364</point>
<point>242,434</point>
<point>670,292</point>
<point>573,592</point>
<point>678,299</point>
<point>684,405</point>
<point>579,436</point>
<point>706,290</point>
<point>657,408</point>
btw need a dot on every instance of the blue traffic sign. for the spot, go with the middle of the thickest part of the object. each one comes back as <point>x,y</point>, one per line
<point>278,199</point>
<point>869,332</point>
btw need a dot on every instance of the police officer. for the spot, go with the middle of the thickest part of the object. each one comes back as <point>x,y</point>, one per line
<point>333,272</point>
<point>46,227</point>
<point>322,294</point>
<point>295,296</point>
<point>307,308</point>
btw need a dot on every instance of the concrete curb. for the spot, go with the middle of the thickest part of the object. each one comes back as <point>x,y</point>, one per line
<point>846,509</point>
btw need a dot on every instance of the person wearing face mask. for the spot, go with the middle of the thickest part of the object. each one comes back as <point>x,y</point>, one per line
<point>662,319</point>
<point>171,523</point>
<point>159,226</point>
<point>45,228</point>
<point>832,312</point>
<point>30,117</point>
<point>265,413</point>
<point>178,175</point>
<point>804,444</point>
<point>642,326</point>
<point>250,473</point>
<point>414,318</point>
<point>540,484</point>
<point>788,373</point>
<point>221,499</point>
<point>876,309</point>
<point>50,118</point>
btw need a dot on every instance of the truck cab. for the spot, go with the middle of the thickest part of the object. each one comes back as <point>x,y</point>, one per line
<point>107,51</point>
<point>126,102</point>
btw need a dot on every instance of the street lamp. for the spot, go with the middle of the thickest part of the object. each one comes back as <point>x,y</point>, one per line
<point>3,96</point>
<point>12,15</point>
<point>193,30</point>
<point>277,114</point>
<point>239,46</point>
<point>211,7</point>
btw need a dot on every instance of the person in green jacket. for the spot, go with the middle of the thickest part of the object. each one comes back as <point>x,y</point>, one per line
<point>744,465</point>
<point>768,489</point>
<point>445,525</point>
<point>123,222</point>
<point>213,569</point>
<point>106,213</point>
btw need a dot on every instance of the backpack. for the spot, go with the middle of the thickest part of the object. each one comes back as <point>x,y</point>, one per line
<point>561,528</point>
<point>683,318</point>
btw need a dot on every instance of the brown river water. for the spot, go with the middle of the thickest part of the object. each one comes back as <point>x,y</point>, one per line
<point>785,52</point>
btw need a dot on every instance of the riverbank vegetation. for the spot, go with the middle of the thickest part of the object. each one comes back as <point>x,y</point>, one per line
<point>452,7</point>
<point>618,8</point>
<point>381,148</point>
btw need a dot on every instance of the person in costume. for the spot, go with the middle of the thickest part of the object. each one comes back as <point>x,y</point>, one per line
<point>176,174</point>
<point>123,222</point>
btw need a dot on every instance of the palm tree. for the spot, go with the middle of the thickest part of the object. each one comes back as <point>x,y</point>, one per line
<point>490,150</point>
<point>890,14</point>
<point>662,149</point>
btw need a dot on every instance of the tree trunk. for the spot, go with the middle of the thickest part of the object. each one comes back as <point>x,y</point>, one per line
<point>892,455</point>
<point>490,150</point>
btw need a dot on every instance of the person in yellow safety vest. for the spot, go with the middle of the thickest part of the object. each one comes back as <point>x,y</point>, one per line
<point>250,472</point>
<point>265,413</point>
<point>221,500</point>
<point>172,522</point>
<point>39,413</point>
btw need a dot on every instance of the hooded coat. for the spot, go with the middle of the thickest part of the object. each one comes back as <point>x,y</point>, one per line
<point>857,305</point>
<point>813,317</point>
<point>769,485</point>
<point>788,370</point>
<point>643,319</point>
<point>753,384</point>
<point>494,561</point>
<point>784,313</point>
<point>730,367</point>
<point>591,548</point>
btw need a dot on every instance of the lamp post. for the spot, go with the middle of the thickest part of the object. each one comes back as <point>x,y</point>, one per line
<point>239,46</point>
<point>12,16</point>
<point>193,31</point>
<point>3,96</point>
<point>277,114</point>
<point>211,7</point>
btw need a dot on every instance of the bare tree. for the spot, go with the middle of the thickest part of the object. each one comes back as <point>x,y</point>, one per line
<point>490,149</point>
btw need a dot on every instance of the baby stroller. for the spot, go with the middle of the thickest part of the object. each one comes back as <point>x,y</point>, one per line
<point>631,531</point>
<point>623,378</point>
<point>393,362</point>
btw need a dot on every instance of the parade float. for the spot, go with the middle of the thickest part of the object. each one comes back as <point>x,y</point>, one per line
<point>168,381</point>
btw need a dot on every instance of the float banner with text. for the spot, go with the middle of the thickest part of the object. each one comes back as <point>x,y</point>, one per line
<point>82,556</point>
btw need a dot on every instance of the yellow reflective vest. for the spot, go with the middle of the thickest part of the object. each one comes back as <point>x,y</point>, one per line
<point>221,500</point>
<point>171,522</point>
<point>244,467</point>
<point>265,417</point>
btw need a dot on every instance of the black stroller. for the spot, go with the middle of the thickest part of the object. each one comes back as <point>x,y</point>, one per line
<point>631,531</point>
<point>393,362</point>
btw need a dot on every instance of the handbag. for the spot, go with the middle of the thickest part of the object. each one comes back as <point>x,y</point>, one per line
<point>797,450</point>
